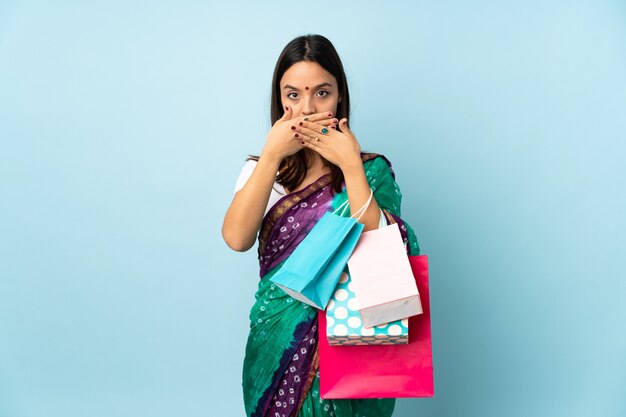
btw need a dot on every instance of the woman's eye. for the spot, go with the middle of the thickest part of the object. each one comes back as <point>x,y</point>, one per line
<point>322,92</point>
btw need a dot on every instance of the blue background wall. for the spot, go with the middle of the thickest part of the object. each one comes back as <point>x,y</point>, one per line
<point>123,127</point>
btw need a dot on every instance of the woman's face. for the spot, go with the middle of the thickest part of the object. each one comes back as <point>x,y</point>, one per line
<point>308,88</point>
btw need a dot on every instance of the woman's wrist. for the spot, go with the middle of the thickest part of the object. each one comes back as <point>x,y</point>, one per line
<point>270,158</point>
<point>352,166</point>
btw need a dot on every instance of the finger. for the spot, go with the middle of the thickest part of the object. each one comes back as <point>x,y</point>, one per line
<point>308,136</point>
<point>287,114</point>
<point>318,125</point>
<point>318,117</point>
<point>343,126</point>
<point>311,145</point>
<point>309,127</point>
<point>313,134</point>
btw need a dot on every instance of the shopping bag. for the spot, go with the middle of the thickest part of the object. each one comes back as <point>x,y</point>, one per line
<point>391,371</point>
<point>381,275</point>
<point>344,325</point>
<point>311,272</point>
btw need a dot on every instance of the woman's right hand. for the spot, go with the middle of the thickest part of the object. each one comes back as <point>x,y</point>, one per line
<point>281,141</point>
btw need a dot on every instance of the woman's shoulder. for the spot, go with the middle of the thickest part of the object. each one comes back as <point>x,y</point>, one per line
<point>246,173</point>
<point>377,160</point>
<point>250,161</point>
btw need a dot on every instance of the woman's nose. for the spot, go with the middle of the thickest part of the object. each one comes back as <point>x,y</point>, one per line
<point>308,107</point>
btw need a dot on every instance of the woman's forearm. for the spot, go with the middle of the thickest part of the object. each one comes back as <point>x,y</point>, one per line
<point>245,214</point>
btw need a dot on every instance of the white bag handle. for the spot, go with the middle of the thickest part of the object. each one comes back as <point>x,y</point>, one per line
<point>362,209</point>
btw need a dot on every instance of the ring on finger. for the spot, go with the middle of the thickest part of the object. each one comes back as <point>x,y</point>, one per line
<point>324,130</point>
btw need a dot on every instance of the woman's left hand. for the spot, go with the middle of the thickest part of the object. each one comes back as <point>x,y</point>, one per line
<point>339,147</point>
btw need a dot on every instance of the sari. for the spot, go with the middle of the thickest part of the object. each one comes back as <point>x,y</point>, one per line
<point>281,366</point>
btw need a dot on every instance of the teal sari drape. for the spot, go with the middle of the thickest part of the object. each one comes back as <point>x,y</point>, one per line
<point>280,370</point>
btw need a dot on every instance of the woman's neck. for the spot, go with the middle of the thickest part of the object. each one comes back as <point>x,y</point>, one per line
<point>315,169</point>
<point>316,164</point>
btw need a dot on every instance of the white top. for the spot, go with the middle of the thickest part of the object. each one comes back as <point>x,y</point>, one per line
<point>278,191</point>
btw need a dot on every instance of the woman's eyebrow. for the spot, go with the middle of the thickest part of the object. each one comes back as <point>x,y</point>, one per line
<point>316,87</point>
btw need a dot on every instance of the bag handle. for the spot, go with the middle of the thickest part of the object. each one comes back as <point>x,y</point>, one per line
<point>362,210</point>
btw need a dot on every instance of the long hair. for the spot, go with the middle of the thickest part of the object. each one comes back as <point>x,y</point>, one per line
<point>314,48</point>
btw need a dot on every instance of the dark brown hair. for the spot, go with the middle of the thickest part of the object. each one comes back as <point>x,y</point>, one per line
<point>314,48</point>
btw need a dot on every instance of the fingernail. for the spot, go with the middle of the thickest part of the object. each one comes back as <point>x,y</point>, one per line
<point>332,127</point>
<point>301,123</point>
<point>296,135</point>
<point>286,108</point>
<point>301,142</point>
<point>335,120</point>
<point>293,128</point>
<point>330,114</point>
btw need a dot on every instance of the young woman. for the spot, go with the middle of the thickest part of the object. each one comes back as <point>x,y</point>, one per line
<point>310,164</point>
